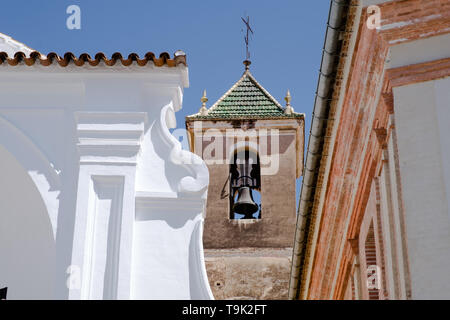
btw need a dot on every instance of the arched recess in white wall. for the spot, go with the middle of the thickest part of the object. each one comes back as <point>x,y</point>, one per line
<point>35,163</point>
<point>27,245</point>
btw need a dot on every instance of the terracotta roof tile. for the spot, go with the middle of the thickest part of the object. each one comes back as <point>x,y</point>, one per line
<point>53,58</point>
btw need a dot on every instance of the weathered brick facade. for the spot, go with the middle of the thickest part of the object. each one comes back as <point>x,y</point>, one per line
<point>359,188</point>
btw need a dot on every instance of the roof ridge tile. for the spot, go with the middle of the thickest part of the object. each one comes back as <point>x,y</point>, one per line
<point>68,57</point>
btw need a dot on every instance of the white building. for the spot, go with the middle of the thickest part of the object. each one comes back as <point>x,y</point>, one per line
<point>97,199</point>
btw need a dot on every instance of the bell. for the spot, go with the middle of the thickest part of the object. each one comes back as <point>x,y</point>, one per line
<point>245,204</point>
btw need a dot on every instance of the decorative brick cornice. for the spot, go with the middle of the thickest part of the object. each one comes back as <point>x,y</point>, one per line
<point>405,21</point>
<point>354,243</point>
<point>382,136</point>
<point>388,99</point>
<point>416,73</point>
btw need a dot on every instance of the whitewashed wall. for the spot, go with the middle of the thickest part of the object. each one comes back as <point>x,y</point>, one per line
<point>422,116</point>
<point>92,180</point>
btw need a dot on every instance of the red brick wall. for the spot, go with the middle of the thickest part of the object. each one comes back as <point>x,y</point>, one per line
<point>361,138</point>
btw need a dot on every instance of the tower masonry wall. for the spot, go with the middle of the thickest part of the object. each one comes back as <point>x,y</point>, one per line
<point>250,258</point>
<point>276,227</point>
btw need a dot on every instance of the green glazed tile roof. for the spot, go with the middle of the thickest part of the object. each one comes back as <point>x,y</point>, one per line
<point>247,99</point>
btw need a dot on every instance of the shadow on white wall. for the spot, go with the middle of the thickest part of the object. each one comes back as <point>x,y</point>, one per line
<point>27,246</point>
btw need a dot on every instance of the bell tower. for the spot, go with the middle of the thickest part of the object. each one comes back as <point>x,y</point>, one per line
<point>253,148</point>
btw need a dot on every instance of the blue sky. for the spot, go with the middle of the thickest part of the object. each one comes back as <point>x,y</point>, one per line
<point>286,48</point>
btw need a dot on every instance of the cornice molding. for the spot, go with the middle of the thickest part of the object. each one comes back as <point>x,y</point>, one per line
<point>110,137</point>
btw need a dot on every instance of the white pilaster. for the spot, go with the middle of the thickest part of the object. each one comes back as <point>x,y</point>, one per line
<point>108,145</point>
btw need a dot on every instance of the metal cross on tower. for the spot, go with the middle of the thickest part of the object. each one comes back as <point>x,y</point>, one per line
<point>247,24</point>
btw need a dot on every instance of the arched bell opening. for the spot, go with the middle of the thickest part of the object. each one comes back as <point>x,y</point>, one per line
<point>245,185</point>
